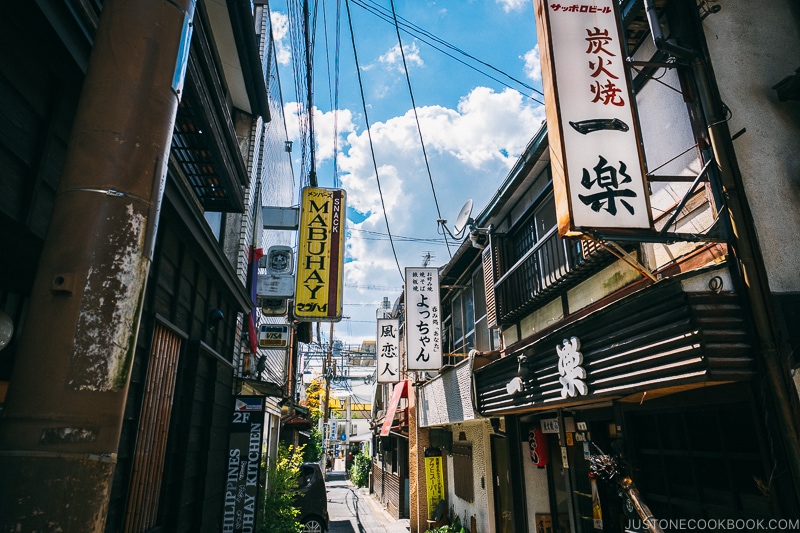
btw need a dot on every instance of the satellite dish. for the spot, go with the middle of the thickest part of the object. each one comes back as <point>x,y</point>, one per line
<point>463,217</point>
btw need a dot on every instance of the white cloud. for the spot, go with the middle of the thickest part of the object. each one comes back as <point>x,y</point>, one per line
<point>533,65</point>
<point>470,151</point>
<point>393,59</point>
<point>324,125</point>
<point>513,5</point>
<point>280,29</point>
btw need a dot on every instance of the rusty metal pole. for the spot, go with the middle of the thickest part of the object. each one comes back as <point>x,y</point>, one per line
<point>61,427</point>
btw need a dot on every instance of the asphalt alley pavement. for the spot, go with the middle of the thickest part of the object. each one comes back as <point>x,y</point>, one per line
<point>355,510</point>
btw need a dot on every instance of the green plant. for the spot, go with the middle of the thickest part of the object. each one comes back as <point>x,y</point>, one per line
<point>453,527</point>
<point>280,514</point>
<point>359,472</point>
<point>313,450</point>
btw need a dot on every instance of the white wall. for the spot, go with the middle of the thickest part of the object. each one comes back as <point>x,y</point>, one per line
<point>536,495</point>
<point>753,46</point>
<point>477,434</point>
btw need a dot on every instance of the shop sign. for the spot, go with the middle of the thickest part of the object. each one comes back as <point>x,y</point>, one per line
<point>549,425</point>
<point>273,336</point>
<point>434,479</point>
<point>572,373</point>
<point>596,160</point>
<point>320,255</point>
<point>244,464</point>
<point>423,319</point>
<point>388,350</point>
<point>279,281</point>
<point>537,443</point>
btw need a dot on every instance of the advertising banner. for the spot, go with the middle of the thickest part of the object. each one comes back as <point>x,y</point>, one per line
<point>423,319</point>
<point>244,465</point>
<point>320,255</point>
<point>596,162</point>
<point>434,479</point>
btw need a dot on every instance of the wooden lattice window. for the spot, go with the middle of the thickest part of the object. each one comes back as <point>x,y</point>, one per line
<point>151,442</point>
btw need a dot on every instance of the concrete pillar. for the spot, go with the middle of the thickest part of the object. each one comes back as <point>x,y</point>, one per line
<point>61,427</point>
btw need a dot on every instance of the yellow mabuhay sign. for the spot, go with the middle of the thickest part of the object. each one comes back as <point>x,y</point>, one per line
<point>320,255</point>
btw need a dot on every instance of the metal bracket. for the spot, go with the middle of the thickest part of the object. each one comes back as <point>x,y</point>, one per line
<point>617,250</point>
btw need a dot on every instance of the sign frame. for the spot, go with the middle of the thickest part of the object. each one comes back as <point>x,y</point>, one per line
<point>423,319</point>
<point>387,350</point>
<point>240,509</point>
<point>596,158</point>
<point>320,255</point>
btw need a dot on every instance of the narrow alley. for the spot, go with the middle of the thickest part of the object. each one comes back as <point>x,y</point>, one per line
<point>354,510</point>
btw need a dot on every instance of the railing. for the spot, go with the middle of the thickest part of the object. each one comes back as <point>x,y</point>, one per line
<point>541,270</point>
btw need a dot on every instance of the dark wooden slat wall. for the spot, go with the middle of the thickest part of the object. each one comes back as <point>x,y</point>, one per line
<point>658,337</point>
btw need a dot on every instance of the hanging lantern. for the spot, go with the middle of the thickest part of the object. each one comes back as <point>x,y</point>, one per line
<point>538,445</point>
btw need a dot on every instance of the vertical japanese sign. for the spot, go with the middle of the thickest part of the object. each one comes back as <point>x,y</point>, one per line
<point>434,479</point>
<point>596,162</point>
<point>423,319</point>
<point>388,350</point>
<point>244,464</point>
<point>318,290</point>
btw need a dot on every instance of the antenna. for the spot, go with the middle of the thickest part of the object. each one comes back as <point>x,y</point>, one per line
<point>463,221</point>
<point>478,236</point>
<point>463,217</point>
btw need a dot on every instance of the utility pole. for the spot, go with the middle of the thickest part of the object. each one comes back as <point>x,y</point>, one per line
<point>63,416</point>
<point>327,373</point>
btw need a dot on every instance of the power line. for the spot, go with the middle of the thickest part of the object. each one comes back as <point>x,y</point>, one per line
<point>378,236</point>
<point>416,118</point>
<point>369,135</point>
<point>299,43</point>
<point>425,37</point>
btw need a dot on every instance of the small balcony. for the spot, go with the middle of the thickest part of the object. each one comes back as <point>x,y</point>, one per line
<point>552,265</point>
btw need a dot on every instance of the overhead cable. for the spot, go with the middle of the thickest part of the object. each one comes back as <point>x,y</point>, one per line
<point>426,36</point>
<point>297,43</point>
<point>416,118</point>
<point>369,135</point>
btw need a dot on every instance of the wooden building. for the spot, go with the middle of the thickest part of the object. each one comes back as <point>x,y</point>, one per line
<point>149,451</point>
<point>668,350</point>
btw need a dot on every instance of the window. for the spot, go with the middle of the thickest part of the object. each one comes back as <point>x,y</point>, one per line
<point>466,326</point>
<point>483,339</point>
<point>458,321</point>
<point>539,233</point>
<point>214,220</point>
<point>463,482</point>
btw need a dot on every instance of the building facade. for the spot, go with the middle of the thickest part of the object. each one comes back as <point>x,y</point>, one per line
<point>135,182</point>
<point>663,359</point>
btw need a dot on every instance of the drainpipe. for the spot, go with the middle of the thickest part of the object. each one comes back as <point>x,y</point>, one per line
<point>744,245</point>
<point>658,35</point>
<point>60,431</point>
<point>750,264</point>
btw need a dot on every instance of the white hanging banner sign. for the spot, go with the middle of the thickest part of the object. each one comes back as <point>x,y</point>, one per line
<point>596,162</point>
<point>388,350</point>
<point>423,319</point>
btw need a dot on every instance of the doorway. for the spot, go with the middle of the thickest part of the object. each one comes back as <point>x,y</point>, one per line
<point>504,518</point>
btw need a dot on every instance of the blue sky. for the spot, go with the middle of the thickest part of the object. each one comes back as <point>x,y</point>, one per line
<point>473,128</point>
